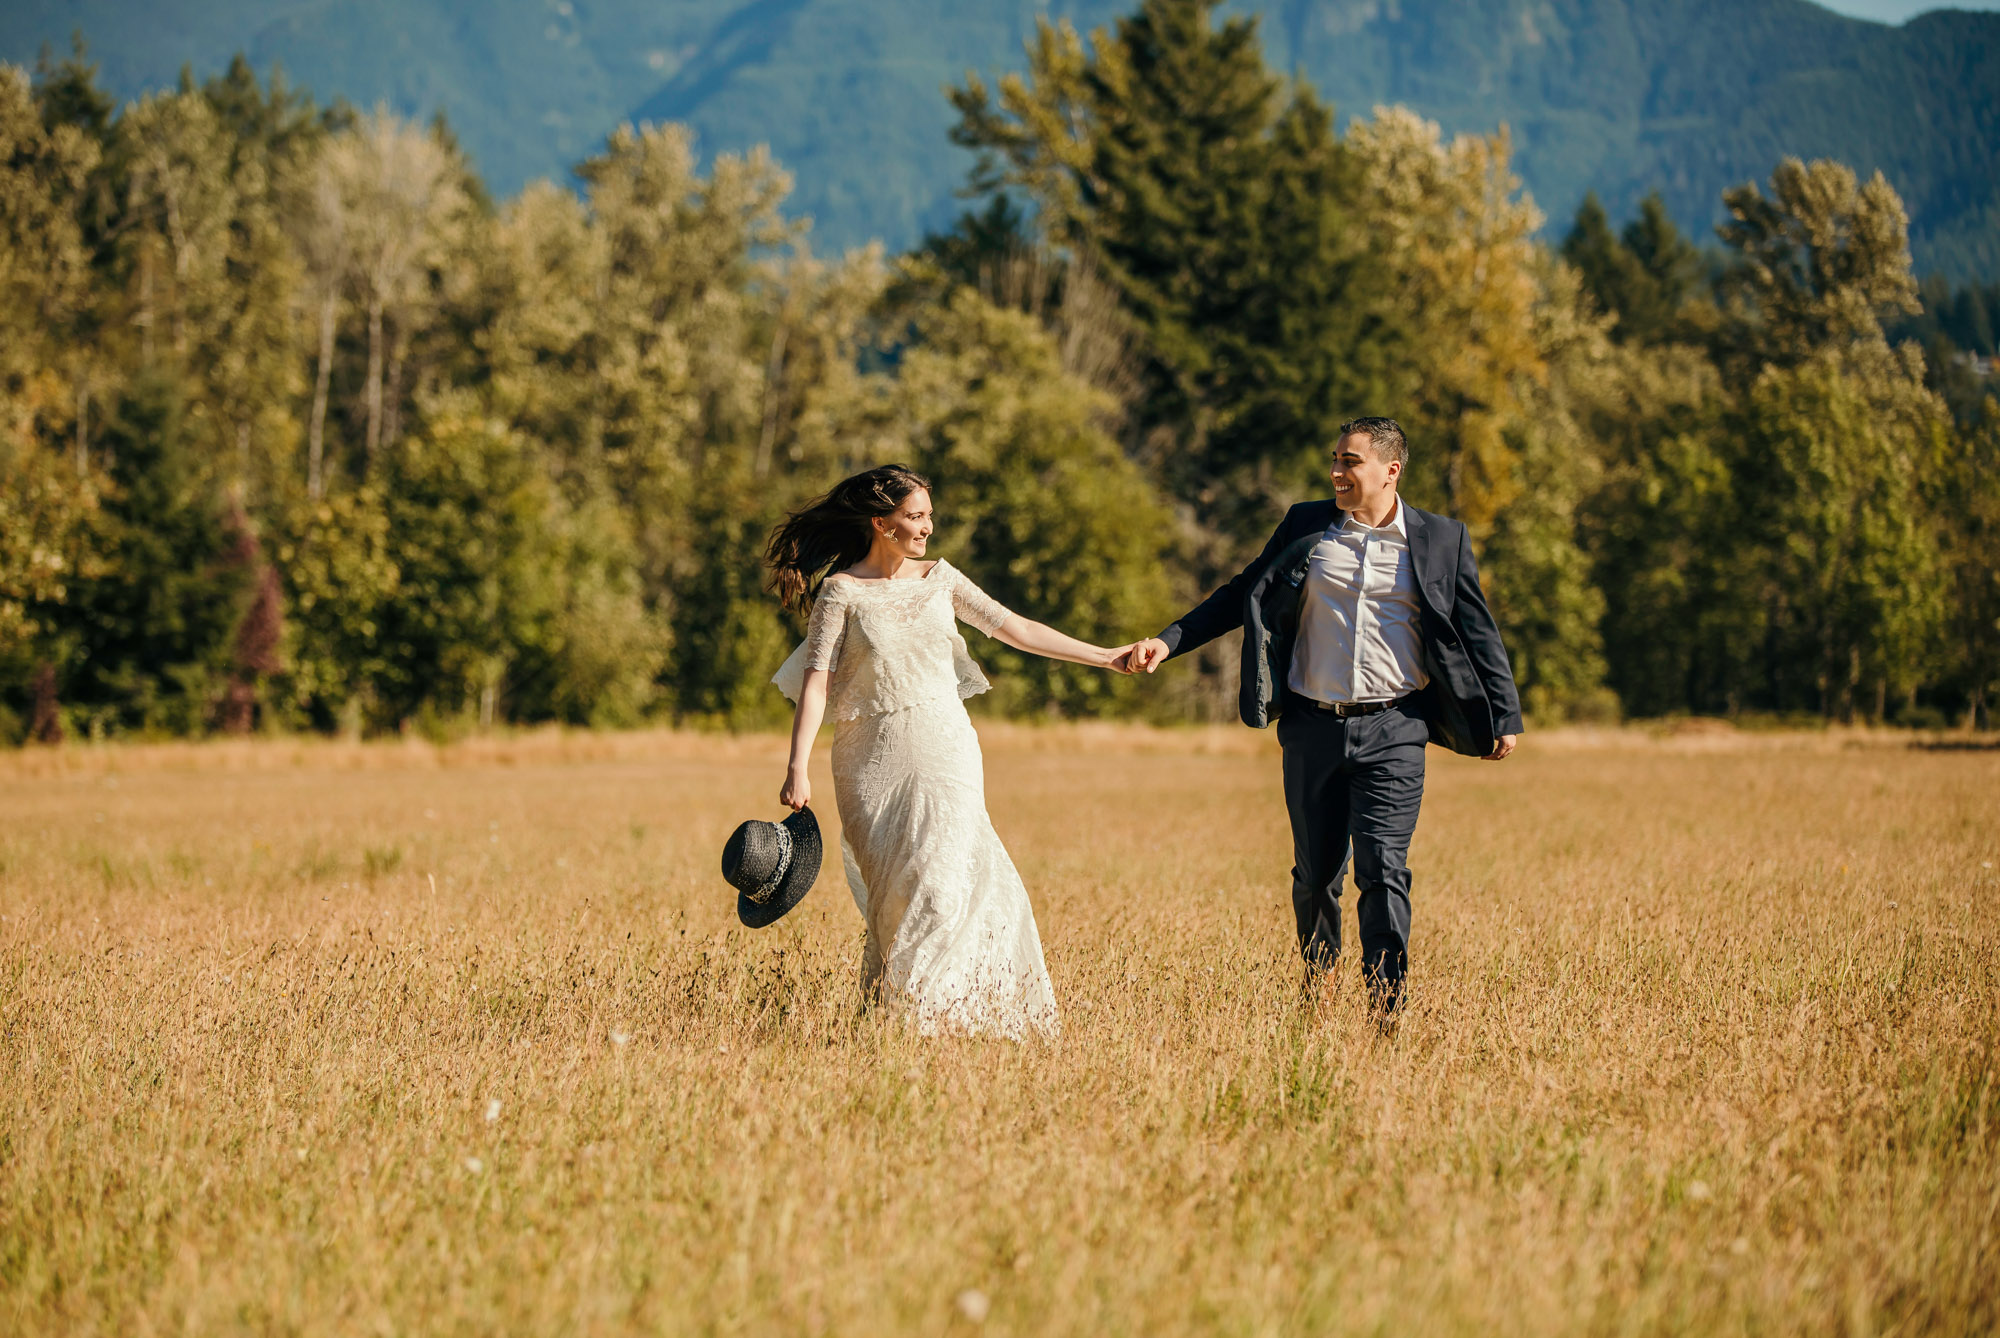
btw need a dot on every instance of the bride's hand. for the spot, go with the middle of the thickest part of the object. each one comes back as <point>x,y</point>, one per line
<point>1120,660</point>
<point>798,791</point>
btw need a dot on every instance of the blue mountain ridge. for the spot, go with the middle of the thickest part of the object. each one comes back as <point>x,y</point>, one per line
<point>1619,96</point>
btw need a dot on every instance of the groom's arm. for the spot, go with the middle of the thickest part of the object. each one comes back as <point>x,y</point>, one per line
<point>1222,611</point>
<point>1480,631</point>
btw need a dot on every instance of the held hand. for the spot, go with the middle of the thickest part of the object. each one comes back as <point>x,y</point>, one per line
<point>1119,659</point>
<point>1501,747</point>
<point>798,791</point>
<point>1148,655</point>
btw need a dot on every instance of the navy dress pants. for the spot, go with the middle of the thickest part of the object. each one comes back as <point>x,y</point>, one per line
<point>1354,784</point>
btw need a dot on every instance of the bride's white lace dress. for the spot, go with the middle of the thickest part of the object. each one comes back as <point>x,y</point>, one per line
<point>951,937</point>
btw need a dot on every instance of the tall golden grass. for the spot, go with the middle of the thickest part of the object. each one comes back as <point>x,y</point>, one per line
<point>341,1039</point>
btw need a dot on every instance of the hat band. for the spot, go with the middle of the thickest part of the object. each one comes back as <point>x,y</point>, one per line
<point>770,885</point>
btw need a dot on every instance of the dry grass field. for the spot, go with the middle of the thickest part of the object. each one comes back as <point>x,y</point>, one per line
<point>313,1038</point>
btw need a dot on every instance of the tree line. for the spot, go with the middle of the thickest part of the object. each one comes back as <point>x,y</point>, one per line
<point>299,429</point>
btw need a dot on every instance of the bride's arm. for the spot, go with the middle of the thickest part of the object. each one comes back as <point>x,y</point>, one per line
<point>982,611</point>
<point>797,792</point>
<point>1041,639</point>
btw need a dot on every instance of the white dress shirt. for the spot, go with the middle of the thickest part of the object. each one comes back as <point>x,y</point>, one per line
<point>1359,635</point>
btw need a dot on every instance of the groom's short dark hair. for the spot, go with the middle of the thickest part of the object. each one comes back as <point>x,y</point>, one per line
<point>1384,434</point>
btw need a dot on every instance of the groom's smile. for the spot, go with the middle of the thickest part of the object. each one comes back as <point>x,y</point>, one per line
<point>1362,480</point>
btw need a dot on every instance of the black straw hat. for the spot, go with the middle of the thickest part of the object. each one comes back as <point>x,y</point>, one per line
<point>772,866</point>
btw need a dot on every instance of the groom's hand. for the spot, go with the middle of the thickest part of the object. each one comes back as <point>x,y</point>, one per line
<point>1148,655</point>
<point>1501,747</point>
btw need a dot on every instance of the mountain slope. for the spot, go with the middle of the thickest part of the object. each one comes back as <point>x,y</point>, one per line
<point>1688,96</point>
<point>1619,96</point>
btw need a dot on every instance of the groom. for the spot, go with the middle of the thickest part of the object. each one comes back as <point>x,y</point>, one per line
<point>1365,635</point>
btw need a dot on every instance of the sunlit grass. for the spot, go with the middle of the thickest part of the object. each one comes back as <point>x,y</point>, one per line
<point>329,1038</point>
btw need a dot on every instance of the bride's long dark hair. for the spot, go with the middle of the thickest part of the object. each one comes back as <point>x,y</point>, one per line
<point>833,531</point>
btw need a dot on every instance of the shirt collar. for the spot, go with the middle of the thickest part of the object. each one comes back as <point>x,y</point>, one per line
<point>1397,523</point>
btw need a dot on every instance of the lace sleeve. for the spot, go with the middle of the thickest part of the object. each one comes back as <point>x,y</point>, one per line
<point>821,649</point>
<point>974,606</point>
<point>827,628</point>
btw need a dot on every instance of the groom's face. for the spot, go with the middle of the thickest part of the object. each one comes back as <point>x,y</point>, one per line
<point>1360,475</point>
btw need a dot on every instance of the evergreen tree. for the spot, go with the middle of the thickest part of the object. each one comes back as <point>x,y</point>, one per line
<point>1658,524</point>
<point>149,635</point>
<point>68,95</point>
<point>1644,276</point>
<point>1211,198</point>
<point>1610,271</point>
<point>977,249</point>
<point>1669,260</point>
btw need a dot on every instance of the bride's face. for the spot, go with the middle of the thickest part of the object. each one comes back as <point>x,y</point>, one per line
<point>908,529</point>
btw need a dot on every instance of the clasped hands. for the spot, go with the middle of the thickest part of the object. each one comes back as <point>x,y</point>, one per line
<point>1146,655</point>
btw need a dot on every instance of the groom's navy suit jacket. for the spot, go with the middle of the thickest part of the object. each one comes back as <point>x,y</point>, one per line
<point>1470,700</point>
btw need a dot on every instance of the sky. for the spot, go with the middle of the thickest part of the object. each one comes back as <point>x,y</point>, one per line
<point>1895,11</point>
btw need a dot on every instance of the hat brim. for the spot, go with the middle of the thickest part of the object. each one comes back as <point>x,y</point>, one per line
<point>799,875</point>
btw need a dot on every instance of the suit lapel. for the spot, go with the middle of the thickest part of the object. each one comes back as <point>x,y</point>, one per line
<point>1420,540</point>
<point>1416,524</point>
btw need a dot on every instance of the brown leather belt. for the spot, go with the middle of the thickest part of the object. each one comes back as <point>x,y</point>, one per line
<point>1348,710</point>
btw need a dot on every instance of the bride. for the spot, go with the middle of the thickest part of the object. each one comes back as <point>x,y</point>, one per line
<point>951,936</point>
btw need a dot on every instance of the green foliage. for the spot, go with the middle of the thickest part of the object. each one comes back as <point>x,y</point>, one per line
<point>1536,570</point>
<point>1965,497</point>
<point>296,427</point>
<point>472,539</point>
<point>45,510</point>
<point>1767,545</point>
<point>145,640</point>
<point>1644,278</point>
<point>340,579</point>
<point>1680,627</point>
<point>1657,528</point>
<point>606,650</point>
<point>1279,278</point>
<point>1849,577</point>
<point>1460,287</point>
<point>1193,179</point>
<point>1034,500</point>
<point>729,635</point>
<point>1817,263</point>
